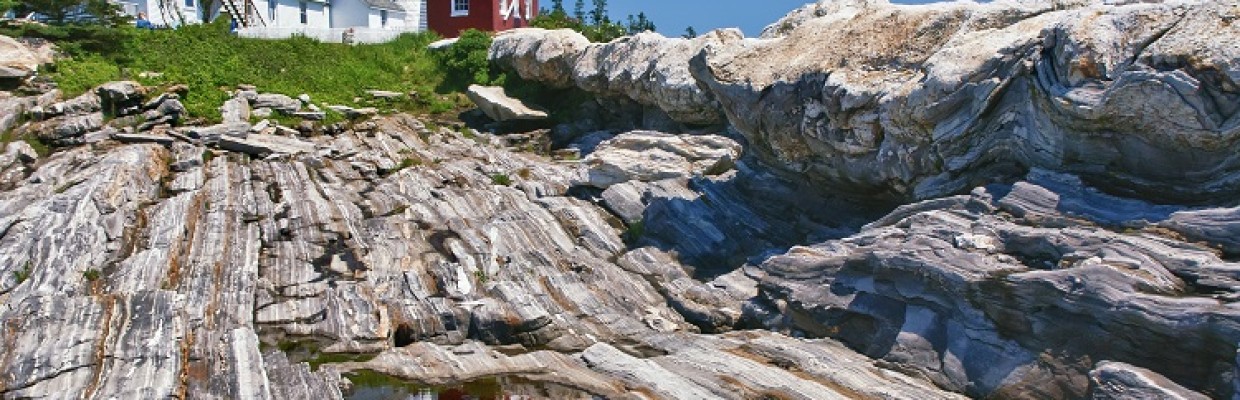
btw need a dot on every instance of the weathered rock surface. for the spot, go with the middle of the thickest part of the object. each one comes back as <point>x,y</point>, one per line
<point>16,60</point>
<point>166,272</point>
<point>277,102</point>
<point>500,107</point>
<point>996,294</point>
<point>918,102</point>
<point>646,67</point>
<point>1112,380</point>
<point>654,156</point>
<point>226,261</point>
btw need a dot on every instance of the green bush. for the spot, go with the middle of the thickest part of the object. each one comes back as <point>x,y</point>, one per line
<point>465,62</point>
<point>501,179</point>
<point>79,39</point>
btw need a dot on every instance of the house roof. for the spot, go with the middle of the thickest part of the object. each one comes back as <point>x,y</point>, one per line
<point>384,5</point>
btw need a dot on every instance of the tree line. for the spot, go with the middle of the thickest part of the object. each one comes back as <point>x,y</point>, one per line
<point>594,23</point>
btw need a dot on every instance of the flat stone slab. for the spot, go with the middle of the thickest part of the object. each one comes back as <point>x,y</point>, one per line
<point>265,144</point>
<point>500,107</point>
<point>142,138</point>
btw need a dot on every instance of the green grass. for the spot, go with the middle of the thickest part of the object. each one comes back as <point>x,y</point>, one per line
<point>211,61</point>
<point>634,232</point>
<point>23,274</point>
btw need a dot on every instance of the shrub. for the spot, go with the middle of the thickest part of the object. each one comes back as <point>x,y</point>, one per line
<point>23,274</point>
<point>92,274</point>
<point>78,39</point>
<point>501,179</point>
<point>465,62</point>
<point>634,232</point>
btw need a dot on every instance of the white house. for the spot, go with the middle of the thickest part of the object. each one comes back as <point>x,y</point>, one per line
<point>370,21</point>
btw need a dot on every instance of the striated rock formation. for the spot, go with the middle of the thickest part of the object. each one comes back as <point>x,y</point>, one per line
<point>654,156</point>
<point>16,60</point>
<point>176,270</point>
<point>499,107</point>
<point>1094,257</point>
<point>922,101</point>
<point>1016,292</point>
<point>646,68</point>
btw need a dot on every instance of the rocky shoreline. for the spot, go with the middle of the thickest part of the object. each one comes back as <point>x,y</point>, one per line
<point>1066,223</point>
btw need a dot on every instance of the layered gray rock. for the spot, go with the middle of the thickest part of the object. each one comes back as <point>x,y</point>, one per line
<point>1112,380</point>
<point>277,102</point>
<point>653,156</point>
<point>914,102</point>
<point>500,107</point>
<point>16,60</point>
<point>953,96</point>
<point>993,294</point>
<point>646,67</point>
<point>188,267</point>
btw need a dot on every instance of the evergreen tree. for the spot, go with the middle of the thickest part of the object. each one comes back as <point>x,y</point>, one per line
<point>598,16</point>
<point>640,24</point>
<point>557,6</point>
<point>579,11</point>
<point>58,11</point>
<point>690,33</point>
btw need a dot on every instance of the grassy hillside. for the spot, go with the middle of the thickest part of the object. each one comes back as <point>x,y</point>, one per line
<point>211,61</point>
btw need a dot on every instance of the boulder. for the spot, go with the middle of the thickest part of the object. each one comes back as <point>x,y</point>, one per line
<point>67,130</point>
<point>16,60</point>
<point>121,98</point>
<point>647,68</point>
<point>1118,381</point>
<point>539,55</point>
<point>235,110</point>
<point>499,107</point>
<point>276,102</point>
<point>652,156</point>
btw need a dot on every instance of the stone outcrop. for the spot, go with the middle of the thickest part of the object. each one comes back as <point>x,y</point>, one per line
<point>654,156</point>
<point>16,60</point>
<point>144,259</point>
<point>1011,291</point>
<point>172,269</point>
<point>646,68</point>
<point>500,107</point>
<point>914,102</point>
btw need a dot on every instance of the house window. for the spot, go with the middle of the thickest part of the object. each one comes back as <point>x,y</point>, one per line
<point>271,10</point>
<point>304,19</point>
<point>383,18</point>
<point>189,3</point>
<point>460,8</point>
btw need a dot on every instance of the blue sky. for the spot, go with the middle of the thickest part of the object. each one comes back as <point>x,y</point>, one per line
<point>672,16</point>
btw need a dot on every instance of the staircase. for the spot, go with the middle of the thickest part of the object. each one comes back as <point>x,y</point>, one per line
<point>244,12</point>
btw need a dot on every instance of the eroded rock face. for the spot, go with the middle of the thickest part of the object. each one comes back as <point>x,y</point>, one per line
<point>653,156</point>
<point>1016,291</point>
<point>647,67</point>
<point>171,271</point>
<point>916,102</point>
<point>500,107</point>
<point>954,95</point>
<point>16,60</point>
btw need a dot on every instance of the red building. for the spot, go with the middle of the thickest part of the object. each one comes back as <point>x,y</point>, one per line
<point>449,17</point>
